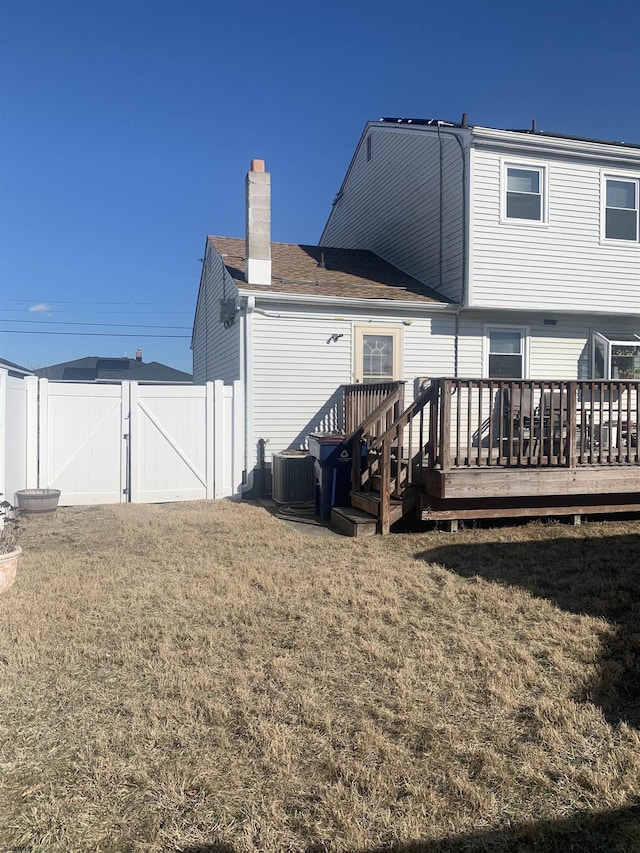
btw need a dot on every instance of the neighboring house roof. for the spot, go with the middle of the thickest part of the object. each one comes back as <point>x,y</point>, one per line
<point>347,273</point>
<point>14,369</point>
<point>97,369</point>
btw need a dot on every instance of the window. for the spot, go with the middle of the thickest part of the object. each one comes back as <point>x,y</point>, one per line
<point>616,356</point>
<point>506,353</point>
<point>377,353</point>
<point>621,209</point>
<point>524,194</point>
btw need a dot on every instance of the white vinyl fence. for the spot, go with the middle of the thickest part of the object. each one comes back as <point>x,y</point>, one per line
<point>119,443</point>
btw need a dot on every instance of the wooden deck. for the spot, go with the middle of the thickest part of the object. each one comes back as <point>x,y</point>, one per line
<point>472,448</point>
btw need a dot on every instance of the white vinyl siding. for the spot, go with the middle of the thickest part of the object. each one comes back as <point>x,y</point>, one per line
<point>216,349</point>
<point>555,352</point>
<point>562,266</point>
<point>298,370</point>
<point>392,205</point>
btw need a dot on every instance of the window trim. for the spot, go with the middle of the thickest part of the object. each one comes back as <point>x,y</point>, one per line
<point>359,330</point>
<point>533,166</point>
<point>612,175</point>
<point>525,336</point>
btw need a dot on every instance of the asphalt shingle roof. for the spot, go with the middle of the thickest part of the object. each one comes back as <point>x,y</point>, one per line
<point>347,273</point>
<point>92,368</point>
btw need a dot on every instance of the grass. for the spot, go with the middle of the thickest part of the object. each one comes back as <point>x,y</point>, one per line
<point>202,677</point>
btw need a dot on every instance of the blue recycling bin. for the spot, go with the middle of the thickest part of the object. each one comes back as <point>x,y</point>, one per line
<point>332,466</point>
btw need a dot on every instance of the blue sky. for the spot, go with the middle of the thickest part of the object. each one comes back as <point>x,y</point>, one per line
<point>127,127</point>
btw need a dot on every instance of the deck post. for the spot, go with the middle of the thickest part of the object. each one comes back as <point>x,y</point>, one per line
<point>433,423</point>
<point>356,461</point>
<point>385,488</point>
<point>445,425</point>
<point>572,436</point>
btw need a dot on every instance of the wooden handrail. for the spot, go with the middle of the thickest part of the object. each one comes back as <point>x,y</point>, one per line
<point>407,416</point>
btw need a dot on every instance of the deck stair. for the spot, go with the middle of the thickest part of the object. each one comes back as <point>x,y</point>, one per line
<point>383,488</point>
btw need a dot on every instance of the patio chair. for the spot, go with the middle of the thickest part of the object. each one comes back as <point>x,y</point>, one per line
<point>521,416</point>
<point>555,419</point>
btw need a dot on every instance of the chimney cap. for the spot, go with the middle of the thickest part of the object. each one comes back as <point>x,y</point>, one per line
<point>257,166</point>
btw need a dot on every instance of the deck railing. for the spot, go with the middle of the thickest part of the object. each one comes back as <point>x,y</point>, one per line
<point>521,423</point>
<point>360,400</point>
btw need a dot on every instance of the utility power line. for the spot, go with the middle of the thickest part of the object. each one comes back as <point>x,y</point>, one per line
<point>39,301</point>
<point>89,334</point>
<point>79,323</point>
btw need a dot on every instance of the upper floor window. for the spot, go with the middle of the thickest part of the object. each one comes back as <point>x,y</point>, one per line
<point>524,193</point>
<point>621,209</point>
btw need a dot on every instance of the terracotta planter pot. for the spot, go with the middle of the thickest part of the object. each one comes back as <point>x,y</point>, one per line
<point>8,565</point>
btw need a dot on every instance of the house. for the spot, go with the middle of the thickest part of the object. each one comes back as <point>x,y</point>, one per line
<point>476,253</point>
<point>101,369</point>
<point>285,319</point>
<point>508,261</point>
<point>14,370</point>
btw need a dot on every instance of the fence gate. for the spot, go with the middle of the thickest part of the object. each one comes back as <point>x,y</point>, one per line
<point>138,443</point>
<point>171,444</point>
<point>83,443</point>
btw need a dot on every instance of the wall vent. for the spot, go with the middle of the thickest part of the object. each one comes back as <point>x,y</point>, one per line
<point>293,477</point>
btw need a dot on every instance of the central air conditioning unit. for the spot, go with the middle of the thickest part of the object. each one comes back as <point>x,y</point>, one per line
<point>293,477</point>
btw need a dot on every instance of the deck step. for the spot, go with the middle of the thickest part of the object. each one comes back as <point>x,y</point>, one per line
<point>376,482</point>
<point>369,502</point>
<point>353,522</point>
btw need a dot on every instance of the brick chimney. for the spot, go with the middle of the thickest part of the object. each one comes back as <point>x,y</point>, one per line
<point>258,246</point>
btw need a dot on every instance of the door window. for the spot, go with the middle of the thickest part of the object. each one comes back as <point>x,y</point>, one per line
<point>377,354</point>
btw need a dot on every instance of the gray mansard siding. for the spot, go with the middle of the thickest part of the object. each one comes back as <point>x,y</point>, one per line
<point>216,349</point>
<point>403,198</point>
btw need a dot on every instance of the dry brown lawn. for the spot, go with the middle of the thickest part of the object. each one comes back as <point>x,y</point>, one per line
<point>202,677</point>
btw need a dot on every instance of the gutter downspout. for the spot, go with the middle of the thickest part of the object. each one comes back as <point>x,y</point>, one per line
<point>465,248</point>
<point>247,375</point>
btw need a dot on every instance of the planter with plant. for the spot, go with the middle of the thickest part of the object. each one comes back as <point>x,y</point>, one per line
<point>10,550</point>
